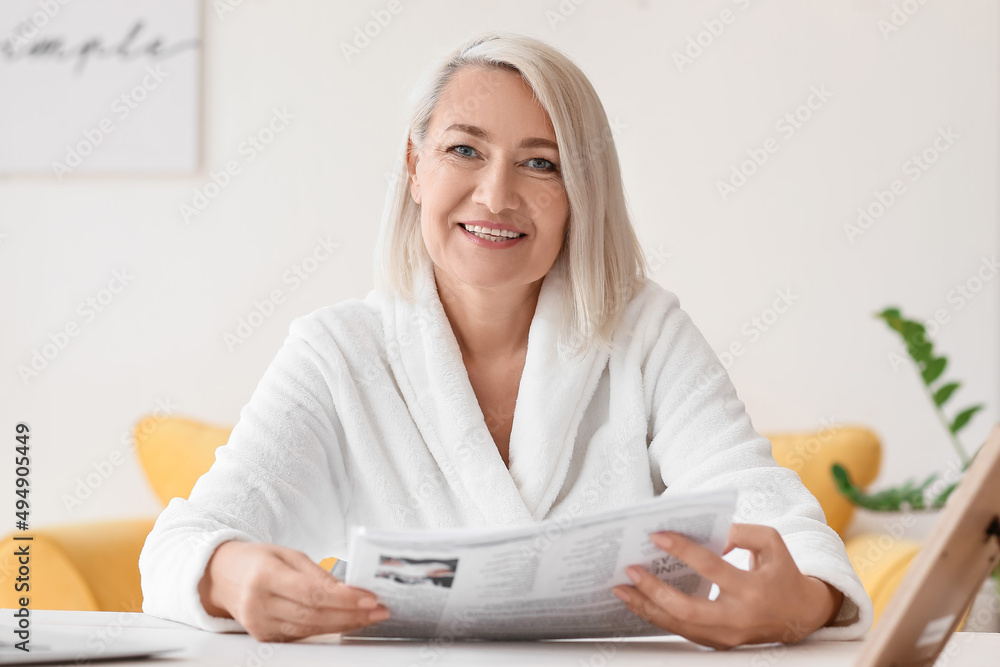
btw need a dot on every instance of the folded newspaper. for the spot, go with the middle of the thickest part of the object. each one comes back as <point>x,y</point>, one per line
<point>549,580</point>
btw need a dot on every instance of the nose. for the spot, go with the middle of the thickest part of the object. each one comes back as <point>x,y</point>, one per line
<point>497,189</point>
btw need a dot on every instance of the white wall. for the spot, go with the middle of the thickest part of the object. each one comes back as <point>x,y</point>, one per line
<point>161,339</point>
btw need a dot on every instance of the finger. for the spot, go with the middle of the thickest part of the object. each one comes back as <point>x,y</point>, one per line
<point>307,566</point>
<point>700,559</point>
<point>297,559</point>
<point>645,608</point>
<point>323,620</point>
<point>672,601</point>
<point>648,610</point>
<point>277,630</point>
<point>319,589</point>
<point>763,541</point>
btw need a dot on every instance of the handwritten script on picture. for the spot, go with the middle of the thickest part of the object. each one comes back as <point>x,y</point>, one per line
<point>100,87</point>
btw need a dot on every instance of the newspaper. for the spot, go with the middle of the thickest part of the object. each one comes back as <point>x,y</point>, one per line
<point>549,580</point>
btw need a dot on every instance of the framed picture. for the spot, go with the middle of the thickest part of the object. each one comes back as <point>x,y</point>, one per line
<point>103,86</point>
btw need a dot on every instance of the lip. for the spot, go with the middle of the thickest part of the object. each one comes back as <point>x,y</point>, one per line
<point>492,245</point>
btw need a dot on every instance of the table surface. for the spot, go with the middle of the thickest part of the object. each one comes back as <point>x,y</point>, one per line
<point>198,647</point>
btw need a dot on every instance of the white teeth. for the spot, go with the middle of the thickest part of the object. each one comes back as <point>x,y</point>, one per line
<point>500,233</point>
<point>494,239</point>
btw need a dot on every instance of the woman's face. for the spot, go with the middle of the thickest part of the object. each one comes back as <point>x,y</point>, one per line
<point>490,159</point>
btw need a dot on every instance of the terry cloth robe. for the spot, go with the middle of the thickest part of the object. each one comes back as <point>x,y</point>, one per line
<point>367,416</point>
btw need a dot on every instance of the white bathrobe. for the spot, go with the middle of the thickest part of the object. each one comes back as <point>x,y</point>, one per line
<point>367,416</point>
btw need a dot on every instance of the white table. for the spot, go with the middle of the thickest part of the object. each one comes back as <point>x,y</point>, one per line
<point>207,648</point>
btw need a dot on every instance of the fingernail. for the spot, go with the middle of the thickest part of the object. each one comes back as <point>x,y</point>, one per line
<point>367,603</point>
<point>379,615</point>
<point>622,595</point>
<point>633,574</point>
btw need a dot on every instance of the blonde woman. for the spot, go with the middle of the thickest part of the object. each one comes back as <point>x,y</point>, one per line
<point>513,364</point>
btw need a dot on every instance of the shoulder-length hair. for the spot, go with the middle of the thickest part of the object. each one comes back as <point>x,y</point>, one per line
<point>601,258</point>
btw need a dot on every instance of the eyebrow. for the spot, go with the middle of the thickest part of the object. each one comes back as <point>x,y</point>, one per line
<point>533,142</point>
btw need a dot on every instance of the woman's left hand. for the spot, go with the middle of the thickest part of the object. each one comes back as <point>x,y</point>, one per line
<point>772,602</point>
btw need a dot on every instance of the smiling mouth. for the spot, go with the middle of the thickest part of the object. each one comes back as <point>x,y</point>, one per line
<point>495,235</point>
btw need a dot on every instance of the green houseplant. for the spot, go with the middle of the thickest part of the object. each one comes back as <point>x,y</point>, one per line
<point>913,495</point>
<point>922,495</point>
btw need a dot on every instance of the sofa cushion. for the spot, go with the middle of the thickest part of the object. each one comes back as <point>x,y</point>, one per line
<point>812,455</point>
<point>85,566</point>
<point>175,452</point>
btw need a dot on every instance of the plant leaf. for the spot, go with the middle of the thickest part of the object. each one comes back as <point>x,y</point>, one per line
<point>927,482</point>
<point>883,501</point>
<point>921,353</point>
<point>944,393</point>
<point>843,479</point>
<point>943,496</point>
<point>914,333</point>
<point>893,319</point>
<point>963,418</point>
<point>934,369</point>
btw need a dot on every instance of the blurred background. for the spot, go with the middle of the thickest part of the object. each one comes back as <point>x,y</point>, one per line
<point>181,179</point>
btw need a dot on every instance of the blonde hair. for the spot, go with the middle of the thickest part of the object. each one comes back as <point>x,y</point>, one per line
<point>601,257</point>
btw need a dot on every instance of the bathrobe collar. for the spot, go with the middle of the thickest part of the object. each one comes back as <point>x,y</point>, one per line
<point>553,395</point>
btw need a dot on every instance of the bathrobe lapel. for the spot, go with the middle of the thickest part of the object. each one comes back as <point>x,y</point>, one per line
<point>552,398</point>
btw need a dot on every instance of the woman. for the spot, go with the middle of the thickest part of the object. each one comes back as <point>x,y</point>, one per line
<point>512,364</point>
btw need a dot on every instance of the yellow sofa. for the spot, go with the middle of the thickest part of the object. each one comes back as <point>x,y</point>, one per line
<point>880,560</point>
<point>94,566</point>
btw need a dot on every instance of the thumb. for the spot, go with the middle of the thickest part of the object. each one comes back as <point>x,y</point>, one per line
<point>761,541</point>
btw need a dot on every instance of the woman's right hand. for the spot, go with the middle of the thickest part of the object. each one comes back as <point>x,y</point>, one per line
<point>280,594</point>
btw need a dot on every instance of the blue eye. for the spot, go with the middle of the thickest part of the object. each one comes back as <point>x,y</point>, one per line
<point>551,165</point>
<point>544,166</point>
<point>470,148</point>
